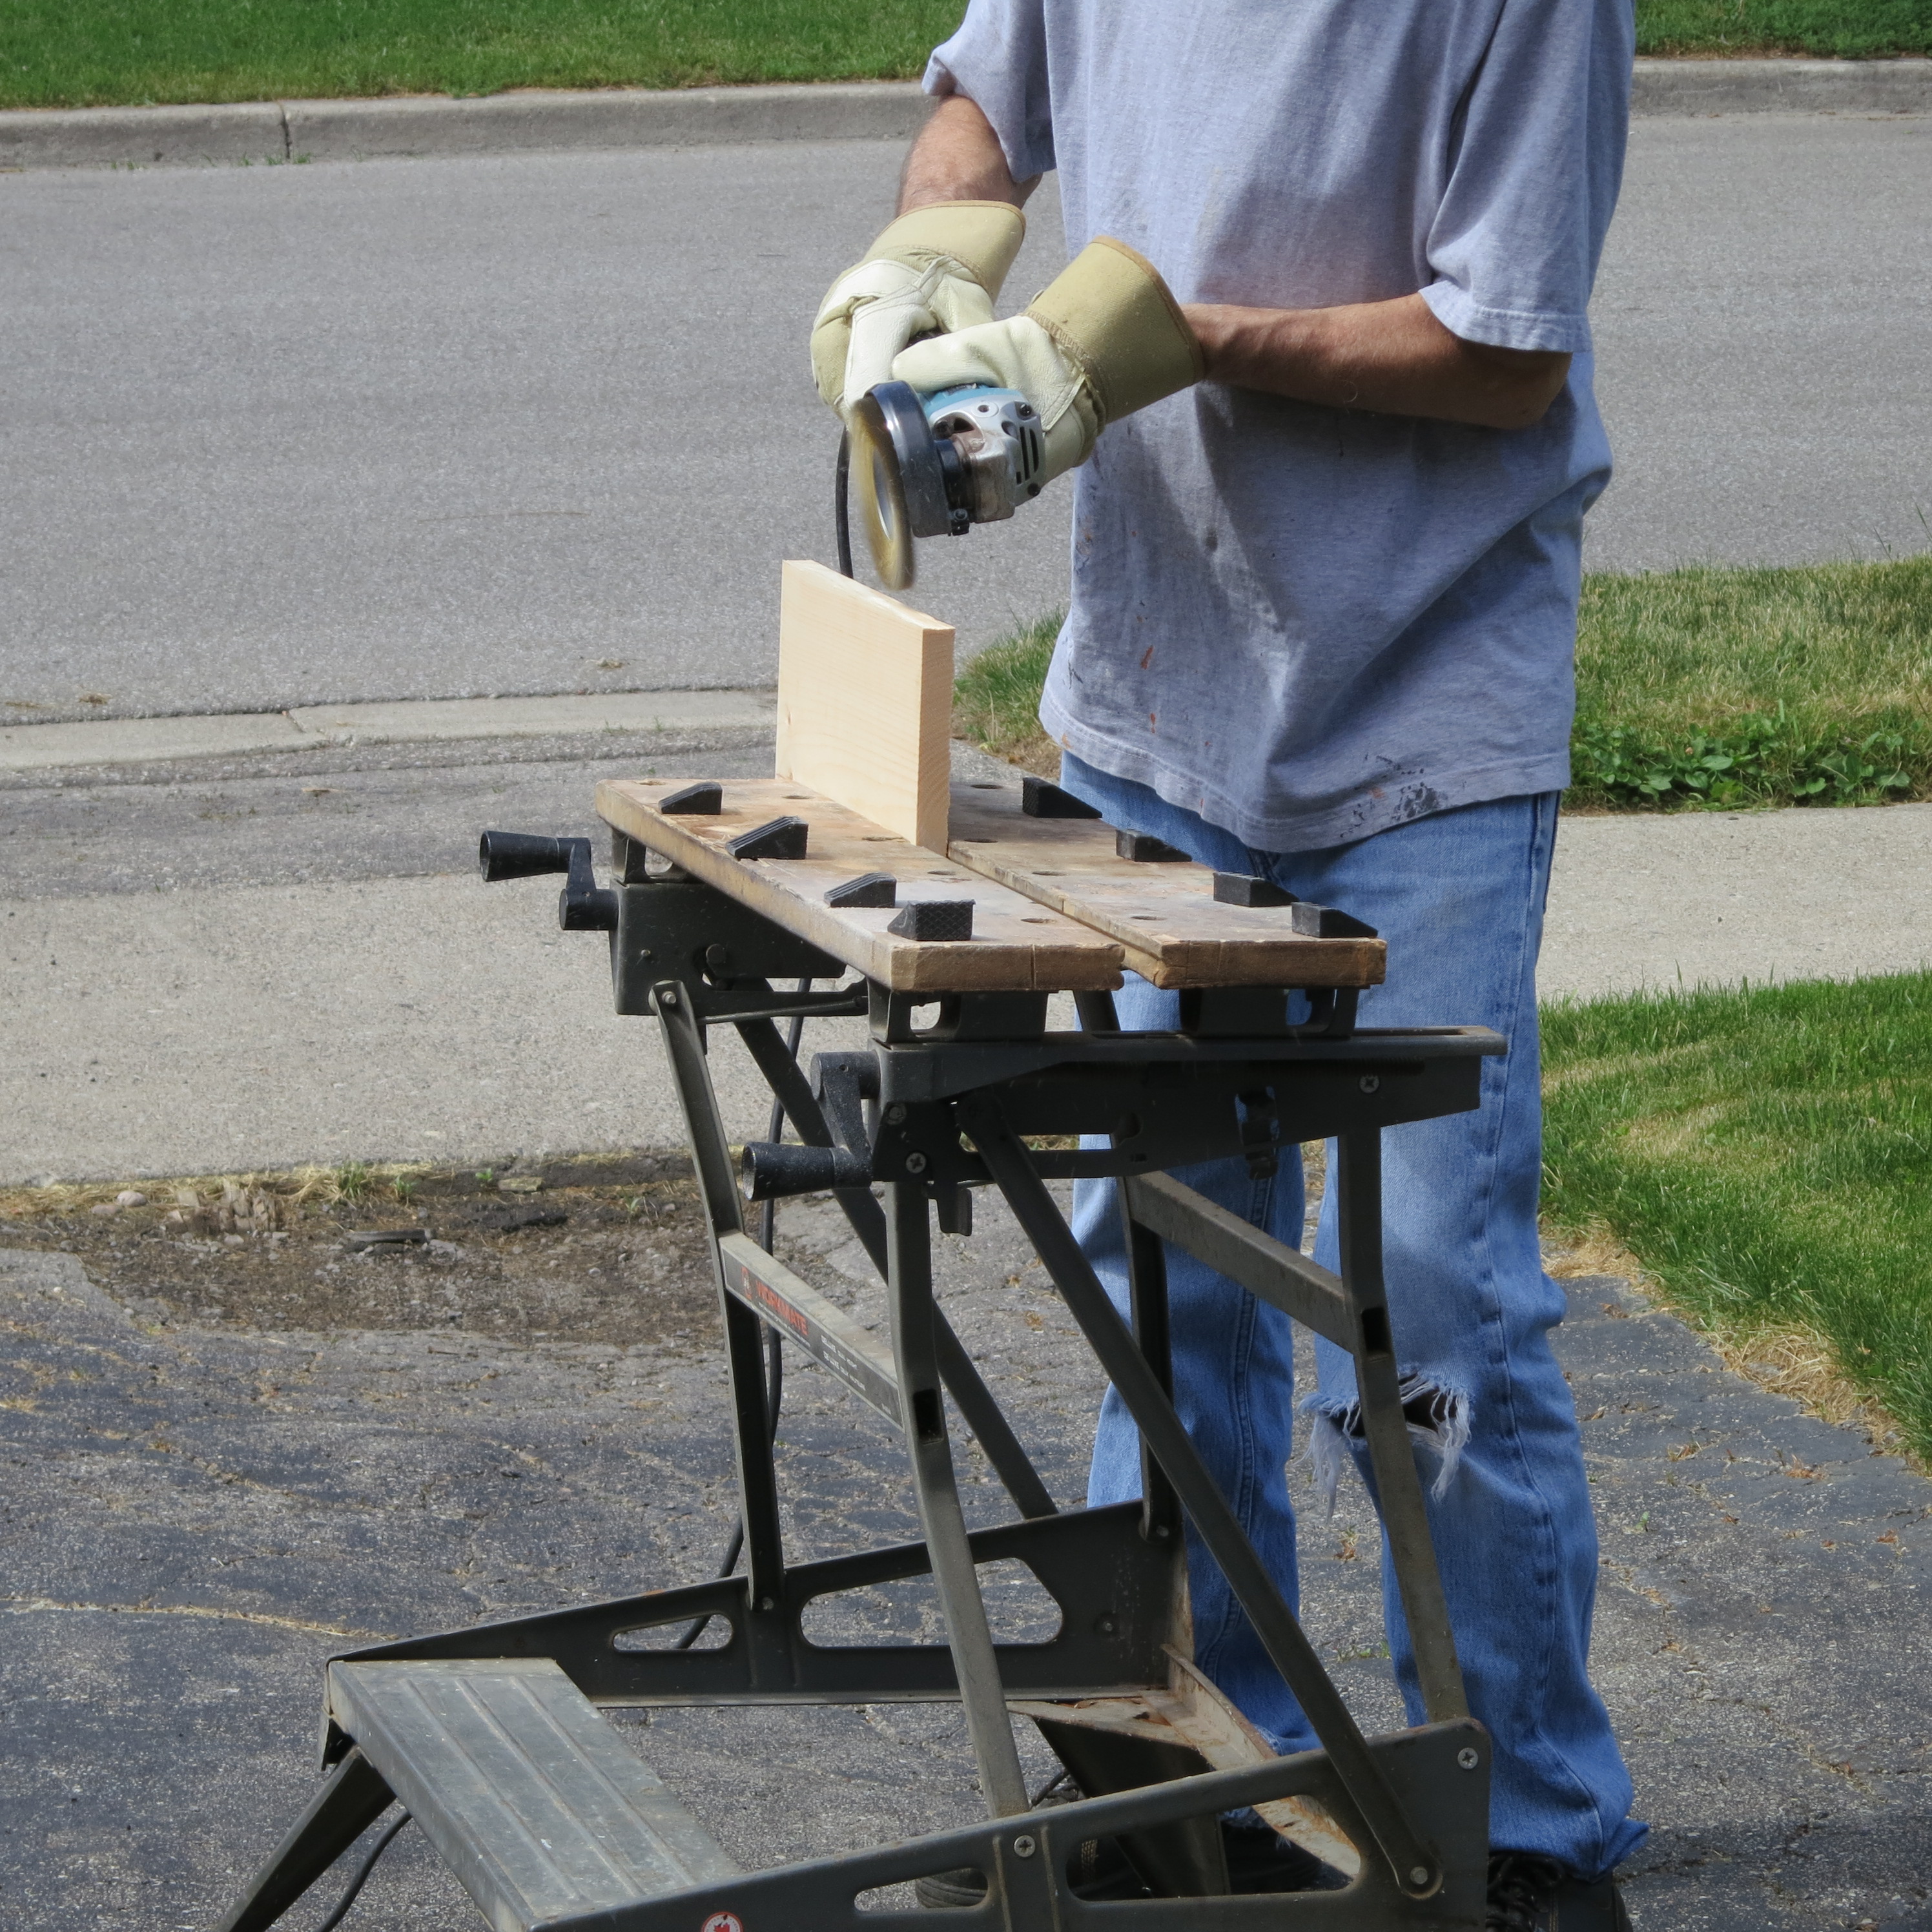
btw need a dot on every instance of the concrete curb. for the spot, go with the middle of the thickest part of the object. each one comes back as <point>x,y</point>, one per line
<point>143,741</point>
<point>1782,87</point>
<point>534,121</point>
<point>425,125</point>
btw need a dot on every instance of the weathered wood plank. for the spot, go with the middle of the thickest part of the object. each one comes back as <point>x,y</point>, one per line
<point>865,702</point>
<point>1176,933</point>
<point>1017,945</point>
<point>1193,1711</point>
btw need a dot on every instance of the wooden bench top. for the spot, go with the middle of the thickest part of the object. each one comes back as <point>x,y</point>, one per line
<point>1054,908</point>
<point>1176,933</point>
<point>1018,945</point>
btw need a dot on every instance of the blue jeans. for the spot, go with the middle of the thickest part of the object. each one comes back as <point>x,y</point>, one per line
<point>1459,896</point>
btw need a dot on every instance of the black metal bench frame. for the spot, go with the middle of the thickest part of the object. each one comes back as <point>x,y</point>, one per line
<point>933,1111</point>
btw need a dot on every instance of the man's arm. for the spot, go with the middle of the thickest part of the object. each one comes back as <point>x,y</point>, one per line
<point>1392,357</point>
<point>958,157</point>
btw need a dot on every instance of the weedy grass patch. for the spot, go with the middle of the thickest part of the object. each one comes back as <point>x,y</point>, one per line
<point>1765,1153</point>
<point>996,701</point>
<point>1703,687</point>
<point>1804,685</point>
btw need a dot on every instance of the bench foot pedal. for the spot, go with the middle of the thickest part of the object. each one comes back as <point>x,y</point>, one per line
<point>527,1796</point>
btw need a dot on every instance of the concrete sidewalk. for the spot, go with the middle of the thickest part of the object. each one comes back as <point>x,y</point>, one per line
<point>217,973</point>
<point>639,718</point>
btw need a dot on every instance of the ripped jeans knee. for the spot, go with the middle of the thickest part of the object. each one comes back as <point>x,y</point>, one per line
<point>1437,1414</point>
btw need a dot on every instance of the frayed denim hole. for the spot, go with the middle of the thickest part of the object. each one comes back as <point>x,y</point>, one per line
<point>1438,1416</point>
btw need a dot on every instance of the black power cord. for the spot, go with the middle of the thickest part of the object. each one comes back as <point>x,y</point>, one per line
<point>767,1234</point>
<point>841,507</point>
<point>362,1877</point>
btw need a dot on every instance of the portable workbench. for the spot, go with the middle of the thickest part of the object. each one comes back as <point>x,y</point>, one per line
<point>490,1736</point>
<point>947,920</point>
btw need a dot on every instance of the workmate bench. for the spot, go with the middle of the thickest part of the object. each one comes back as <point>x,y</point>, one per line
<point>747,903</point>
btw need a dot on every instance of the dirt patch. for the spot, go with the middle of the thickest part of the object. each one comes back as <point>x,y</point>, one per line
<point>574,1257</point>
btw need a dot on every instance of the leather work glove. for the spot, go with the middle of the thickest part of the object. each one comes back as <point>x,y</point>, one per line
<point>1102,340</point>
<point>939,268</point>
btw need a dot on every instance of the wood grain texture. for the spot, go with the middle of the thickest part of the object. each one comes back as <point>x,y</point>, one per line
<point>1193,1711</point>
<point>1017,946</point>
<point>865,702</point>
<point>1175,932</point>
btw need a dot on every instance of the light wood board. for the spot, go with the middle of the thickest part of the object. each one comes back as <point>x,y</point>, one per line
<point>865,702</point>
<point>1018,946</point>
<point>1175,932</point>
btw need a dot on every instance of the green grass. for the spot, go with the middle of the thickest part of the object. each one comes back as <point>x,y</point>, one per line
<point>1745,687</point>
<point>1846,29</point>
<point>996,700</point>
<point>1705,687</point>
<point>1764,1154</point>
<point>73,53</point>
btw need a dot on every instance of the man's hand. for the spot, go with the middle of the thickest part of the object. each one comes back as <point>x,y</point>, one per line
<point>938,268</point>
<point>1392,357</point>
<point>1102,340</point>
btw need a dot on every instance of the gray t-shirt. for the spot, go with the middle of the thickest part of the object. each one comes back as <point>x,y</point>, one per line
<point>1310,624</point>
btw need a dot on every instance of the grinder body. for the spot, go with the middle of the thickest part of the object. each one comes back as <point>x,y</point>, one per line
<point>934,465</point>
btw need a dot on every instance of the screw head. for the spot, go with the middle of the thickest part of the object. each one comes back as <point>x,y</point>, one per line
<point>668,997</point>
<point>916,1163</point>
<point>1023,1845</point>
<point>895,1115</point>
<point>1106,1625</point>
<point>1468,1757</point>
<point>1370,1081</point>
<point>718,958</point>
<point>1418,1874</point>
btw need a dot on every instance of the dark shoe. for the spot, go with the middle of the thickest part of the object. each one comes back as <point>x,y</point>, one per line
<point>1523,1892</point>
<point>1528,1893</point>
<point>1259,1861</point>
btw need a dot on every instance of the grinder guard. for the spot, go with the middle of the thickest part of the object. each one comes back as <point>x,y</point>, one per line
<point>934,465</point>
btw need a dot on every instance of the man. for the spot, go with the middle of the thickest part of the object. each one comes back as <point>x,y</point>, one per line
<point>1326,561</point>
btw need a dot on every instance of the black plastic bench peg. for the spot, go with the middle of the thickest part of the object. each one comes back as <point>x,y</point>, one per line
<point>868,889</point>
<point>1239,889</point>
<point>777,838</point>
<point>1041,798</point>
<point>934,919</point>
<point>1319,921</point>
<point>704,799</point>
<point>1144,849</point>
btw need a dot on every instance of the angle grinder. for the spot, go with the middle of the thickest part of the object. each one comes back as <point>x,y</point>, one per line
<point>934,465</point>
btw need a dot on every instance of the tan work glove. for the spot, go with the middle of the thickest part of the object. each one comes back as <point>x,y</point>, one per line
<point>938,268</point>
<point>1104,339</point>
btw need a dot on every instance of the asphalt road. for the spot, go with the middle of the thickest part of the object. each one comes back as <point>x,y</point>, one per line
<point>426,428</point>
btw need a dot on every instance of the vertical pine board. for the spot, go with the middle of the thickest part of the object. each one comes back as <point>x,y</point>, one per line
<point>865,702</point>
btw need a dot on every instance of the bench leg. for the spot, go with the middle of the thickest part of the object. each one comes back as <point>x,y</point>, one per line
<point>345,1808</point>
